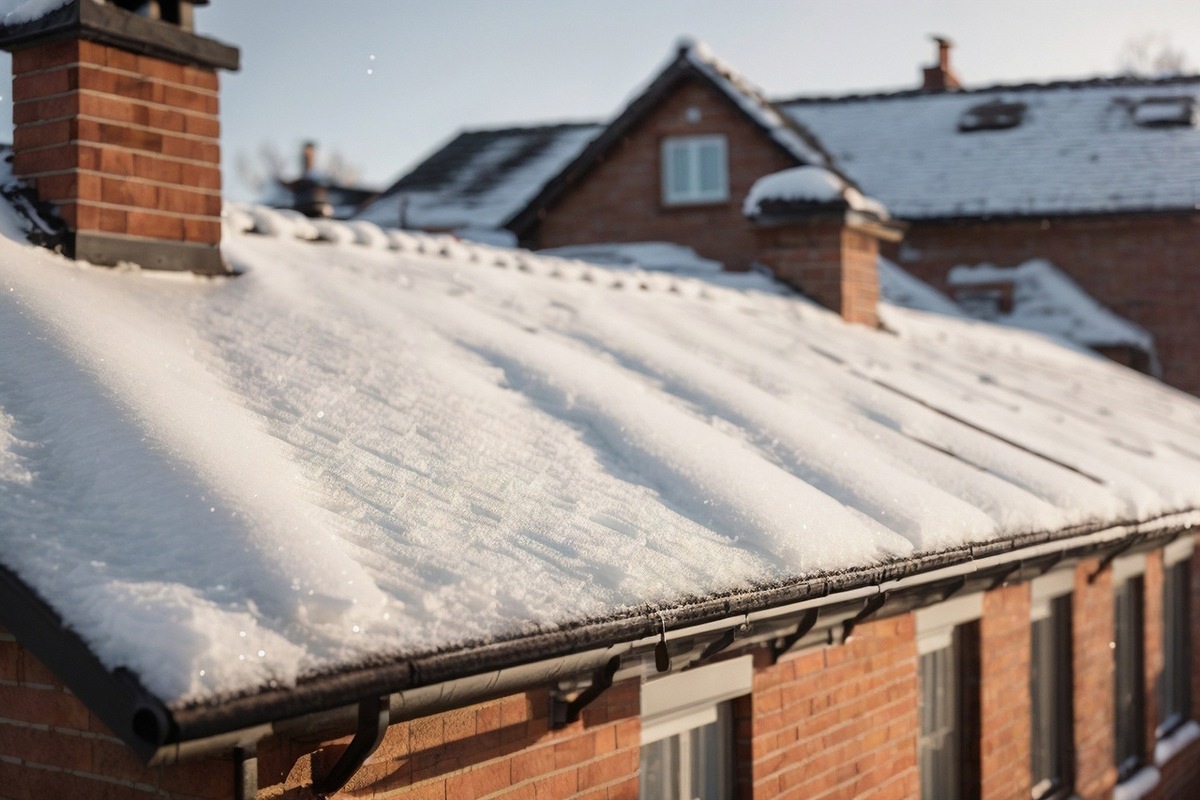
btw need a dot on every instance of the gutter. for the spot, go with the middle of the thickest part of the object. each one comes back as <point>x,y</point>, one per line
<point>327,705</point>
<point>424,685</point>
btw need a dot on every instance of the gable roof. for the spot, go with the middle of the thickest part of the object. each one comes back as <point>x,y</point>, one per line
<point>377,461</point>
<point>479,178</point>
<point>691,61</point>
<point>1069,147</point>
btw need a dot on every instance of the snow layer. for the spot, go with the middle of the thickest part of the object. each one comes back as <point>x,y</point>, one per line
<point>462,202</point>
<point>1046,300</point>
<point>375,446</point>
<point>898,287</point>
<point>14,12</point>
<point>808,185</point>
<point>1078,149</point>
<point>656,256</point>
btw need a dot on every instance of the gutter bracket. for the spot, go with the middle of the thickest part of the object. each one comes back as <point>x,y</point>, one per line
<point>563,711</point>
<point>780,646</point>
<point>373,719</point>
<point>1109,558</point>
<point>1007,573</point>
<point>872,606</point>
<point>245,775</point>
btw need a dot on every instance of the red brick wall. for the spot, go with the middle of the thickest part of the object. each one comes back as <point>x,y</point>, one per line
<point>832,264</point>
<point>1092,619</point>
<point>1005,708</point>
<point>1144,268</point>
<point>124,144</point>
<point>51,746</point>
<point>839,721</point>
<point>502,750</point>
<point>621,199</point>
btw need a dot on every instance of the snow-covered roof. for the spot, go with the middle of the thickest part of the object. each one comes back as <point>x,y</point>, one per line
<point>1046,300</point>
<point>381,445</point>
<point>807,186</point>
<point>1064,148</point>
<point>786,132</point>
<point>480,178</point>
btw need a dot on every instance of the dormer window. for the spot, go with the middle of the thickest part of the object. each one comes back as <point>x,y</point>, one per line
<point>994,115</point>
<point>1165,112</point>
<point>695,170</point>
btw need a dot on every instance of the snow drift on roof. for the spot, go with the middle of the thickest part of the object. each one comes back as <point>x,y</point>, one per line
<point>13,12</point>
<point>1046,300</point>
<point>1078,149</point>
<point>383,444</point>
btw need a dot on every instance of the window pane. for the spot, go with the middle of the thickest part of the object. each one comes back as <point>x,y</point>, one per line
<point>939,744</point>
<point>711,758</point>
<point>1176,700</point>
<point>1051,692</point>
<point>659,778</point>
<point>1129,684</point>
<point>679,170</point>
<point>711,169</point>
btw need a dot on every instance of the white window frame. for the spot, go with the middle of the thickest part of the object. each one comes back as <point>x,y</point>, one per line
<point>678,705</point>
<point>685,189</point>
<point>938,637</point>
<point>1048,594</point>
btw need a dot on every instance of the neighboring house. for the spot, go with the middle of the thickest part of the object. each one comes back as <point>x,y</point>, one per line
<point>395,515</point>
<point>1096,177</point>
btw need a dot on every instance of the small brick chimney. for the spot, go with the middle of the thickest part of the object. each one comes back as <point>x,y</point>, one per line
<point>819,235</point>
<point>940,77</point>
<point>115,107</point>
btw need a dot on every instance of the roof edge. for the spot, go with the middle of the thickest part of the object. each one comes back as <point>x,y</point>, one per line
<point>324,693</point>
<point>1098,82</point>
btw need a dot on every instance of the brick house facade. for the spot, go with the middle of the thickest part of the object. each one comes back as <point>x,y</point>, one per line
<point>826,720</point>
<point>620,200</point>
<point>1142,266</point>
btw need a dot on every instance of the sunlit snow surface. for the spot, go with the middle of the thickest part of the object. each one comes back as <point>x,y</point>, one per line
<point>352,451</point>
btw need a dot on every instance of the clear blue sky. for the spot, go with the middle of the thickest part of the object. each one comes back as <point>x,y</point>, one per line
<point>442,65</point>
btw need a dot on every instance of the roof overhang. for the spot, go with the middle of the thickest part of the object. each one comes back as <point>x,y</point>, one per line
<point>424,684</point>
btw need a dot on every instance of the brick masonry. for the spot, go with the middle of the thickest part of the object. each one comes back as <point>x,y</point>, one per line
<point>837,721</point>
<point>1142,267</point>
<point>621,199</point>
<point>830,262</point>
<point>122,144</point>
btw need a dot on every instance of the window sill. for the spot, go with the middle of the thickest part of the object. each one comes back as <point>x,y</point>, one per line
<point>1169,746</point>
<point>1137,785</point>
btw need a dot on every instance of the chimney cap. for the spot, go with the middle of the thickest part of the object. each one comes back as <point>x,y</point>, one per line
<point>943,41</point>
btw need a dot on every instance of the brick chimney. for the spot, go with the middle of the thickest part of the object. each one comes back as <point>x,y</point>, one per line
<point>115,107</point>
<point>819,235</point>
<point>939,77</point>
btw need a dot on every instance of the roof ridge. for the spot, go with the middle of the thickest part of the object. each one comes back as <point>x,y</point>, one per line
<point>1098,82</point>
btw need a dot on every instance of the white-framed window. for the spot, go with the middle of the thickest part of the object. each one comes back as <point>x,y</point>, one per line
<point>1051,686</point>
<point>1129,667</point>
<point>1175,703</point>
<point>687,732</point>
<point>948,669</point>
<point>695,169</point>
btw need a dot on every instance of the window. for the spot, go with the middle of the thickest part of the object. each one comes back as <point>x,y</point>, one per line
<point>695,169</point>
<point>1051,686</point>
<point>687,732</point>
<point>1130,666</point>
<point>1176,700</point>
<point>948,646</point>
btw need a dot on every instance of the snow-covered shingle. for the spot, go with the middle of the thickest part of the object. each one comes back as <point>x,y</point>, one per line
<point>1084,147</point>
<point>353,453</point>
